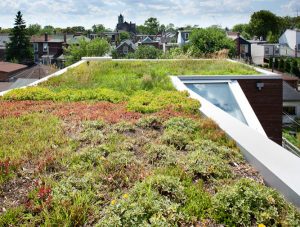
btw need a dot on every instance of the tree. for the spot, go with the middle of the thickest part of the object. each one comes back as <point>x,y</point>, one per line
<point>209,40</point>
<point>96,47</point>
<point>124,36</point>
<point>34,29</point>
<point>152,26</point>
<point>98,28</point>
<point>263,22</point>
<point>147,52</point>
<point>49,29</point>
<point>19,49</point>
<point>243,29</point>
<point>170,28</point>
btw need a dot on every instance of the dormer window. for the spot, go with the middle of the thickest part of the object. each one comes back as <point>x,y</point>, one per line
<point>45,47</point>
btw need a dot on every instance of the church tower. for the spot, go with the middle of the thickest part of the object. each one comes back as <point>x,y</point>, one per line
<point>120,19</point>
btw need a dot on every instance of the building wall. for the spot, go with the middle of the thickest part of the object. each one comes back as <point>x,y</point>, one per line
<point>289,38</point>
<point>267,104</point>
<point>257,54</point>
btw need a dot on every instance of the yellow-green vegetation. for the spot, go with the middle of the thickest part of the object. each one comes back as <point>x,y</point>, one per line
<point>133,76</point>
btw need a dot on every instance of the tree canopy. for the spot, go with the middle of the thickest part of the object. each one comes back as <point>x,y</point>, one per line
<point>205,41</point>
<point>19,49</point>
<point>96,47</point>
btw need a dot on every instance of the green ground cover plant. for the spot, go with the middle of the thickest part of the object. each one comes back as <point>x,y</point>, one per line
<point>140,155</point>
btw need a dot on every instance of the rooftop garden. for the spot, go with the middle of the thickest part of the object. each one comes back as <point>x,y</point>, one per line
<point>113,144</point>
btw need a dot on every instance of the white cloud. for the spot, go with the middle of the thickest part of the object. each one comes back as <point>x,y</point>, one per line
<point>62,13</point>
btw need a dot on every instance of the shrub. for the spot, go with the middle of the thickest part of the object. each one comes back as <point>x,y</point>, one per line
<point>287,65</point>
<point>40,93</point>
<point>163,155</point>
<point>147,52</point>
<point>30,93</point>
<point>276,63</point>
<point>295,68</point>
<point>206,165</point>
<point>281,64</point>
<point>178,139</point>
<point>160,200</point>
<point>149,102</point>
<point>248,203</point>
<point>150,122</point>
<point>182,124</point>
<point>124,126</point>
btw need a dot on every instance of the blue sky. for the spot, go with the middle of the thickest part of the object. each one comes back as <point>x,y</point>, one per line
<point>63,13</point>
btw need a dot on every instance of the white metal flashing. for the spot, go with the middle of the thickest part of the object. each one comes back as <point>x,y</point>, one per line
<point>279,167</point>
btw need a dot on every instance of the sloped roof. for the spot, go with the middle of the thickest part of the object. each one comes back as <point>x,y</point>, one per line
<point>8,67</point>
<point>289,93</point>
<point>128,42</point>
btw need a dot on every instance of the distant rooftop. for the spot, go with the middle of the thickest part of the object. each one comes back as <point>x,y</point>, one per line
<point>8,67</point>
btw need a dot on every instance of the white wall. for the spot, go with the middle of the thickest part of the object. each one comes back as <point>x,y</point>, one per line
<point>288,38</point>
<point>257,54</point>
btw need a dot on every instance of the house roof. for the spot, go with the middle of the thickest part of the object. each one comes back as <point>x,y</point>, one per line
<point>289,93</point>
<point>8,67</point>
<point>128,42</point>
<point>51,38</point>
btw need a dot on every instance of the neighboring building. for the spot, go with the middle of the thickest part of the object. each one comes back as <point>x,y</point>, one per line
<point>183,37</point>
<point>48,47</point>
<point>124,26</point>
<point>262,51</point>
<point>4,39</point>
<point>290,43</point>
<point>291,103</point>
<point>150,42</point>
<point>125,47</point>
<point>7,70</point>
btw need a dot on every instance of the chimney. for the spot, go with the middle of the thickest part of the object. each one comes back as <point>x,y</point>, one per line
<point>238,34</point>
<point>46,37</point>
<point>65,38</point>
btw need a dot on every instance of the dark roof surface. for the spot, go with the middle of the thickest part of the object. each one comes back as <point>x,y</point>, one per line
<point>8,67</point>
<point>289,93</point>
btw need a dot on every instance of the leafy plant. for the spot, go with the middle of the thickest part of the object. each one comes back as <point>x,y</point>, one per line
<point>249,203</point>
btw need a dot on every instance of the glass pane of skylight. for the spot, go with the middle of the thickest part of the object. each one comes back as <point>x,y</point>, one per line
<point>221,96</point>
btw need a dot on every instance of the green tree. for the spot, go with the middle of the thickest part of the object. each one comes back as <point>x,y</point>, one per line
<point>147,52</point>
<point>209,40</point>
<point>152,26</point>
<point>96,47</point>
<point>124,36</point>
<point>141,29</point>
<point>263,22</point>
<point>34,29</point>
<point>98,28</point>
<point>49,29</point>
<point>295,68</point>
<point>243,29</point>
<point>19,49</point>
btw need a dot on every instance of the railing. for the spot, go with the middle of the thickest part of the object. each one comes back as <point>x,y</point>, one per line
<point>290,147</point>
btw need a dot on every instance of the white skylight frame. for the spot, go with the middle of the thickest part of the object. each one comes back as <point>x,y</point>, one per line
<point>240,98</point>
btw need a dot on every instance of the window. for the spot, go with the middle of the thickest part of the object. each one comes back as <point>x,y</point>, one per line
<point>276,50</point>
<point>45,47</point>
<point>36,47</point>
<point>289,110</point>
<point>186,36</point>
<point>125,50</point>
<point>267,50</point>
<point>220,95</point>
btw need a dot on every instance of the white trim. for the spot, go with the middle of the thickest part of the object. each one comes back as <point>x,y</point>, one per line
<point>278,166</point>
<point>246,108</point>
<point>263,71</point>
